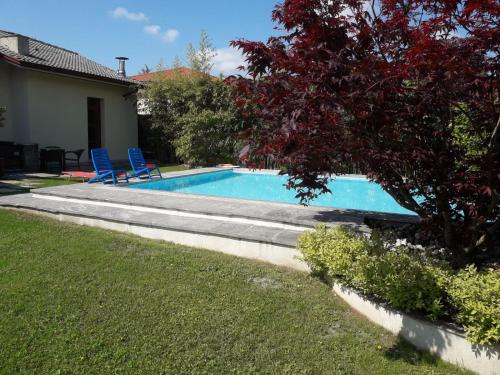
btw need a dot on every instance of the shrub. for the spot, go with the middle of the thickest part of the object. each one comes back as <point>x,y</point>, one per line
<point>476,296</point>
<point>406,280</point>
<point>203,139</point>
<point>197,115</point>
<point>333,251</point>
<point>403,280</point>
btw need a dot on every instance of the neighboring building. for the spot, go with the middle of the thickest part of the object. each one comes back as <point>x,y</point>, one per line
<point>55,97</point>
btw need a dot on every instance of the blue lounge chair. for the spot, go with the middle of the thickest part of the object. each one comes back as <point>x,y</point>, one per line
<point>104,169</point>
<point>139,165</point>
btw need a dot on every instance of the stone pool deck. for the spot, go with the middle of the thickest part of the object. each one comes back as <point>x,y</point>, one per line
<point>204,221</point>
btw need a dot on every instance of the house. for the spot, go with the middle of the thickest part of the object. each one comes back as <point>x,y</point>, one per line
<point>56,97</point>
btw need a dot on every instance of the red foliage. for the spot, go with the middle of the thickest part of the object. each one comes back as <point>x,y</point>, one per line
<point>385,85</point>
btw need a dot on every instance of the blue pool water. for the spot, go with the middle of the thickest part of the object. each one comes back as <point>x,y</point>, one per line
<point>353,193</point>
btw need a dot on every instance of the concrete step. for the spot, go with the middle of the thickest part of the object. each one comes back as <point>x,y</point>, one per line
<point>267,241</point>
<point>273,233</point>
<point>217,206</point>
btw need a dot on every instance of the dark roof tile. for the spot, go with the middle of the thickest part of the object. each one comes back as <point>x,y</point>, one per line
<point>46,55</point>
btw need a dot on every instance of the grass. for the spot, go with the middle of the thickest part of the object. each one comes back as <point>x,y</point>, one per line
<point>25,186</point>
<point>172,168</point>
<point>78,300</point>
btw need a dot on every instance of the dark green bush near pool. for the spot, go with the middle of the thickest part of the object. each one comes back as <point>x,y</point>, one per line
<point>408,281</point>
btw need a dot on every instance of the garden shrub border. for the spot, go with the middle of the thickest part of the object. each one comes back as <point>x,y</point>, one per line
<point>443,341</point>
<point>374,278</point>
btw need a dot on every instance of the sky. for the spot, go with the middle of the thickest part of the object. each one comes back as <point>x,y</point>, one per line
<point>144,31</point>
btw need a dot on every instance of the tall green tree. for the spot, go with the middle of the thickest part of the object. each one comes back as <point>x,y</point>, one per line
<point>146,69</point>
<point>201,58</point>
<point>195,113</point>
<point>198,116</point>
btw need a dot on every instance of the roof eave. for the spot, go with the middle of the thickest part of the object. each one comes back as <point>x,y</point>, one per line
<point>52,69</point>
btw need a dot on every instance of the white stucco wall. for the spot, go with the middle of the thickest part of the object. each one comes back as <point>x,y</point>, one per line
<point>51,110</point>
<point>6,132</point>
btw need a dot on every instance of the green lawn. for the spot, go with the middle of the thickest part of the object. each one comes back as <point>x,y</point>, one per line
<point>26,185</point>
<point>172,168</point>
<point>77,300</point>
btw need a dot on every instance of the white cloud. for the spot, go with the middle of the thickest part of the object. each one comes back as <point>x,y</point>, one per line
<point>367,7</point>
<point>170,35</point>
<point>152,29</point>
<point>227,60</point>
<point>120,12</point>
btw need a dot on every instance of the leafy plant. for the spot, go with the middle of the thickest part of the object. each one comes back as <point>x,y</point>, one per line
<point>408,281</point>
<point>203,139</point>
<point>404,281</point>
<point>388,86</point>
<point>476,296</point>
<point>334,251</point>
<point>201,58</point>
<point>195,112</point>
<point>398,277</point>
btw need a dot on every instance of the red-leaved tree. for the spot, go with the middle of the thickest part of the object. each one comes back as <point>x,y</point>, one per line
<point>407,90</point>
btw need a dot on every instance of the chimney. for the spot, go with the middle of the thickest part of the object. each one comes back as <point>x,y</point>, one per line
<point>16,43</point>
<point>121,65</point>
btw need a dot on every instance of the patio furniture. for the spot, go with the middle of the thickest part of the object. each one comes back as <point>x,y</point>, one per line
<point>12,155</point>
<point>74,155</point>
<point>104,168</point>
<point>51,154</point>
<point>139,165</point>
<point>80,174</point>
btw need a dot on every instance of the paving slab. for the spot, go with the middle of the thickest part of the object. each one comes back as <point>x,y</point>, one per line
<point>199,225</point>
<point>210,205</point>
<point>269,222</point>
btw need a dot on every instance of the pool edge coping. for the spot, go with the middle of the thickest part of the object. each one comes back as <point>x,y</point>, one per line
<point>394,217</point>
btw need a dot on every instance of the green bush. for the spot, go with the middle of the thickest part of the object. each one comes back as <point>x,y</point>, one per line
<point>476,297</point>
<point>333,251</point>
<point>397,277</point>
<point>197,115</point>
<point>203,139</point>
<point>406,281</point>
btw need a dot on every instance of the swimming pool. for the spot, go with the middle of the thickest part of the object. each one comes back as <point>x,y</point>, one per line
<point>348,192</point>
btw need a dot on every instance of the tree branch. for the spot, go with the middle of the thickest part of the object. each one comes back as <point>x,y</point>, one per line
<point>489,232</point>
<point>494,136</point>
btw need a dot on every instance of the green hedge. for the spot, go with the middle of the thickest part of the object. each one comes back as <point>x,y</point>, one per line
<point>476,297</point>
<point>406,281</point>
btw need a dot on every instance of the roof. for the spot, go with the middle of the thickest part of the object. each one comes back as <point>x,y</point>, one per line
<point>52,58</point>
<point>167,74</point>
